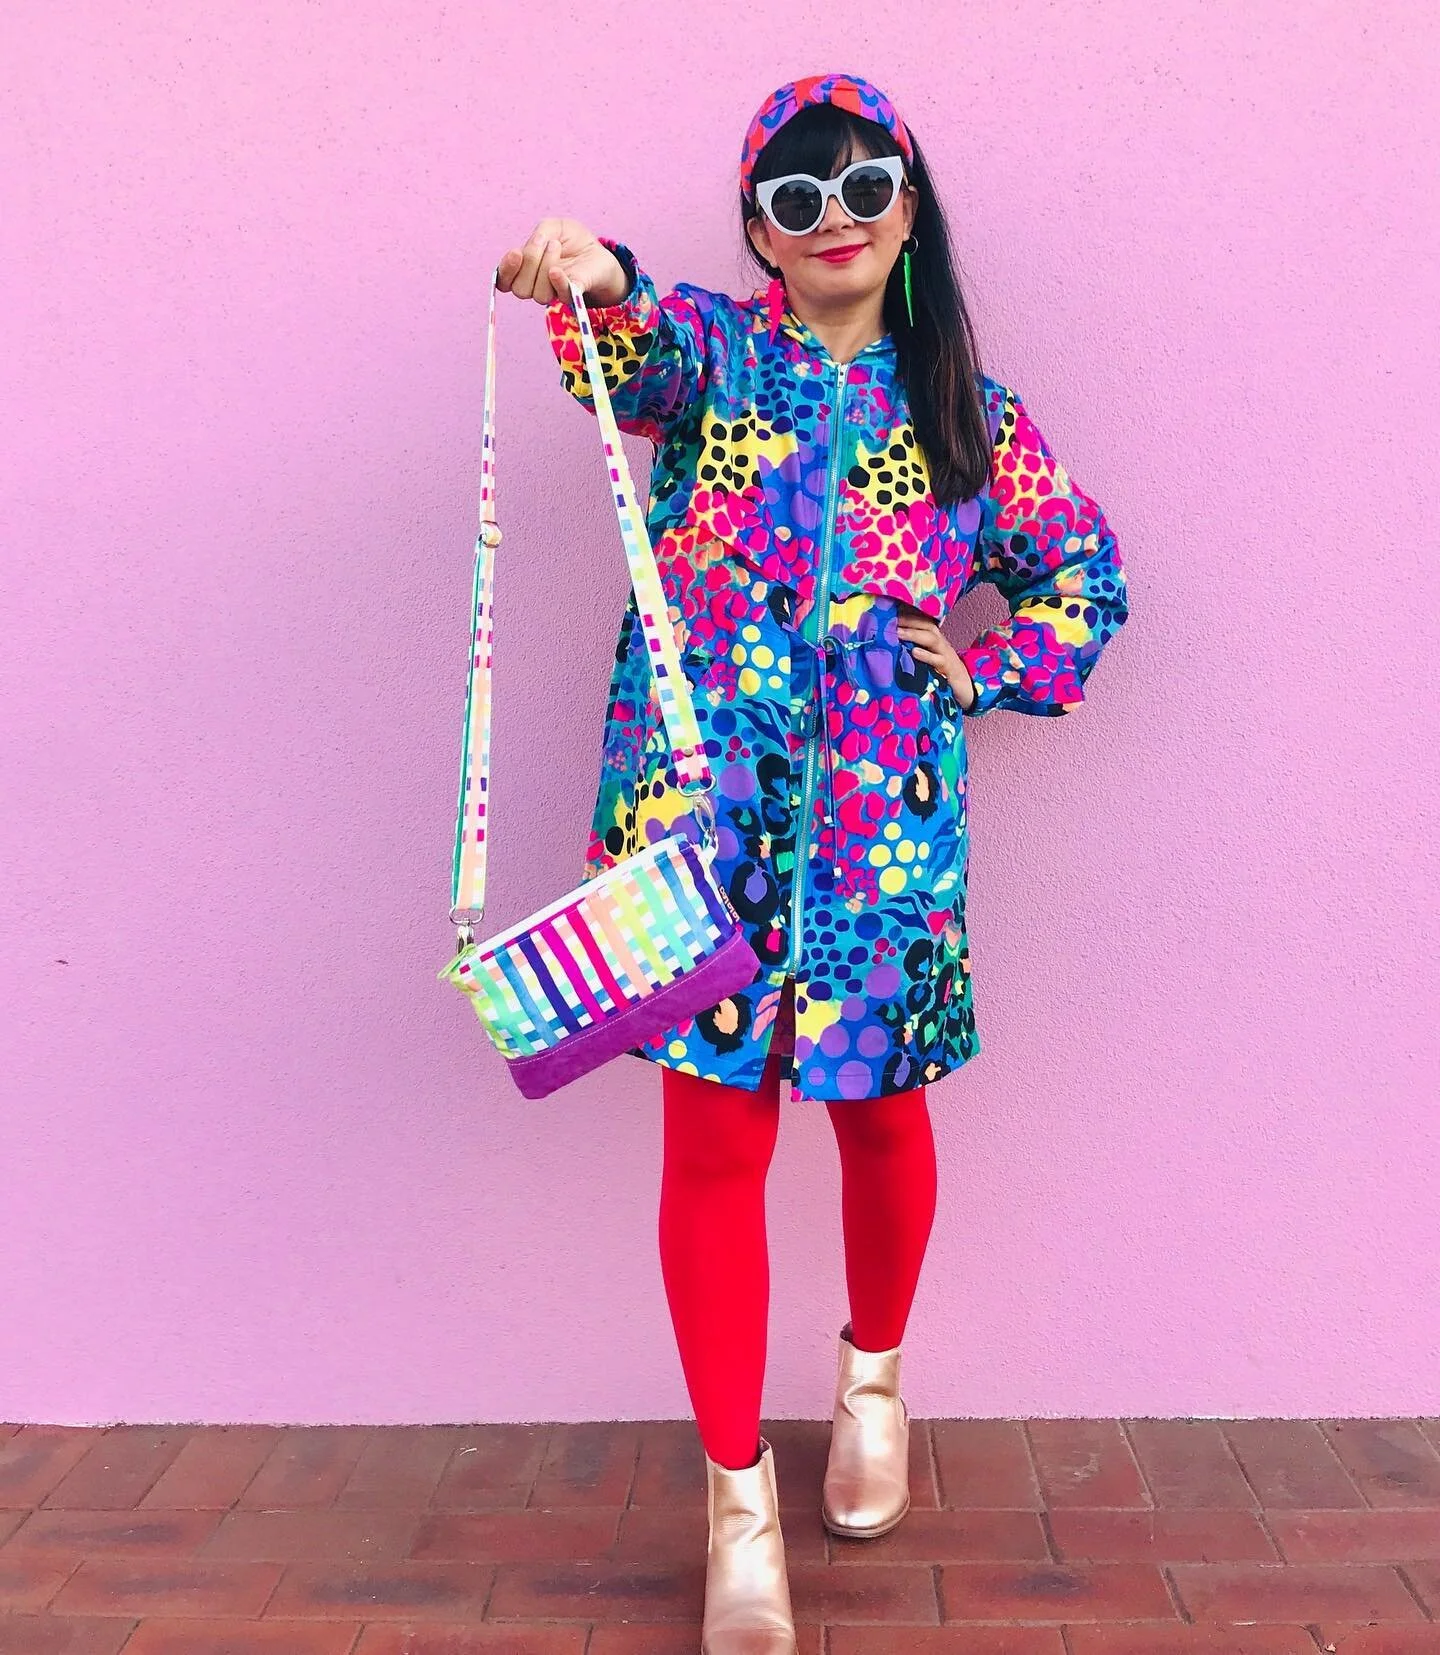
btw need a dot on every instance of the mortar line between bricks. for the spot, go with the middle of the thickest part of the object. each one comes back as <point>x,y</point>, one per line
<point>47,1608</point>
<point>1129,1440</point>
<point>1429,1446</point>
<point>135,1504</point>
<point>264,1461</point>
<point>191,1431</point>
<point>1035,1480</point>
<point>351,1474</point>
<point>1341,1466</point>
<point>129,1637</point>
<point>1419,1423</point>
<point>1402,1569</point>
<point>634,1469</point>
<point>1263,1518</point>
<point>932,1459</point>
<point>940,1493</point>
<point>1360,1488</point>
<point>548,1427</point>
<point>1175,1598</point>
<point>29,1515</point>
<point>270,1595</point>
<point>456,1451</point>
<point>1235,1455</point>
<point>101,1432</point>
<point>42,1500</point>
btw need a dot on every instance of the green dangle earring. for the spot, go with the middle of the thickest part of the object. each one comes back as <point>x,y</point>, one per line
<point>905,251</point>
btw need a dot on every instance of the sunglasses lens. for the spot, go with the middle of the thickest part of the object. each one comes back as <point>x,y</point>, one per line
<point>867,192</point>
<point>796,206</point>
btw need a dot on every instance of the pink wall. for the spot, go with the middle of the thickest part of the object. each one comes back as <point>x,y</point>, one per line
<point>258,1163</point>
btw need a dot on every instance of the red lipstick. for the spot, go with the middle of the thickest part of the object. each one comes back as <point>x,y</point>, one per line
<point>841,255</point>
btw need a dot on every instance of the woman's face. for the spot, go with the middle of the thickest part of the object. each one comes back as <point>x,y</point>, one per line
<point>825,282</point>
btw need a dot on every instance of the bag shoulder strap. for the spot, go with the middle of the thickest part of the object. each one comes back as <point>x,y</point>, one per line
<point>687,751</point>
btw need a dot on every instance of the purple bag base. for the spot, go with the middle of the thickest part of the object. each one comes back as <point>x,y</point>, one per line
<point>732,966</point>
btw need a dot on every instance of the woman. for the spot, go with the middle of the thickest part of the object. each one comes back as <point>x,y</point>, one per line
<point>833,472</point>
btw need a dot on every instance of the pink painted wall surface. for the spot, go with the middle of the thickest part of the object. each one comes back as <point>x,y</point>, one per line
<point>258,1164</point>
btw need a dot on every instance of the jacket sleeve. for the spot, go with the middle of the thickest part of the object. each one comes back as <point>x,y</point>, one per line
<point>1046,546</point>
<point>652,350</point>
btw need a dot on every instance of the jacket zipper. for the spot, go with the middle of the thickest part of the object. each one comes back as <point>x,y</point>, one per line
<point>821,615</point>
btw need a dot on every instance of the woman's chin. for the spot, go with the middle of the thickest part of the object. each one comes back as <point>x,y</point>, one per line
<point>857,279</point>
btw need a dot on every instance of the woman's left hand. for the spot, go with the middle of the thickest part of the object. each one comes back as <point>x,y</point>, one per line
<point>930,645</point>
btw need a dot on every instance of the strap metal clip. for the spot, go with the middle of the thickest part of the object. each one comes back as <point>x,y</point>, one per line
<point>465,920</point>
<point>702,808</point>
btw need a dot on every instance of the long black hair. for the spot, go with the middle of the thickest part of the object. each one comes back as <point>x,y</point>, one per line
<point>937,359</point>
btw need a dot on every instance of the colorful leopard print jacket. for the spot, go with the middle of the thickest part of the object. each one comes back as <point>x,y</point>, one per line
<point>792,521</point>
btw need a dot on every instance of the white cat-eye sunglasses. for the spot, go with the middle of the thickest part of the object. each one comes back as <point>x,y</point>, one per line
<point>867,190</point>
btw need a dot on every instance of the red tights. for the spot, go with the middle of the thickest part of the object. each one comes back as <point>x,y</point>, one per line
<point>713,1252</point>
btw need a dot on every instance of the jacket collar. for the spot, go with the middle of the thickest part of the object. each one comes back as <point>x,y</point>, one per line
<point>780,318</point>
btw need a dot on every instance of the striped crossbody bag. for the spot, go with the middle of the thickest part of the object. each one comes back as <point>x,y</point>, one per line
<point>651,941</point>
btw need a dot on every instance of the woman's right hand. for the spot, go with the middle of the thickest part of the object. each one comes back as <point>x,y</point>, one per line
<point>561,251</point>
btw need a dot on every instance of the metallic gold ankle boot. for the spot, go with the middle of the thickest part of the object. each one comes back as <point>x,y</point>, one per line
<point>867,1479</point>
<point>747,1591</point>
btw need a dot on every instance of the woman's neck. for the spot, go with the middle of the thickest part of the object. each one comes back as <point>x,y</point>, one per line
<point>845,330</point>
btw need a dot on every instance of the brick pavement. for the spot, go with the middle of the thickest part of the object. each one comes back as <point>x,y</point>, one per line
<point>1041,1537</point>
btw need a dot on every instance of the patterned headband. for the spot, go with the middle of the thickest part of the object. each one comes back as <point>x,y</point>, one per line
<point>847,92</point>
